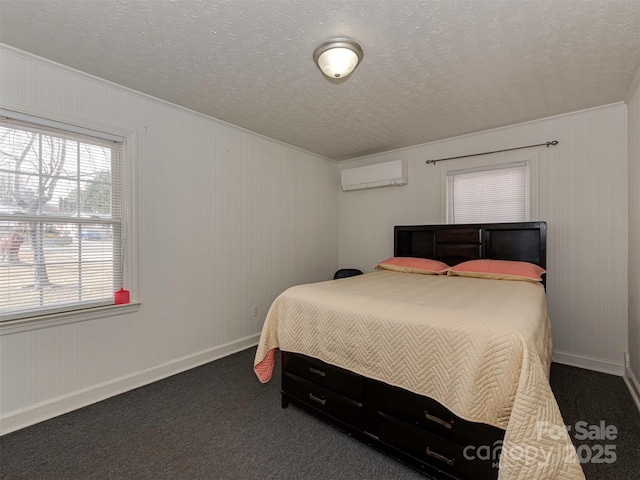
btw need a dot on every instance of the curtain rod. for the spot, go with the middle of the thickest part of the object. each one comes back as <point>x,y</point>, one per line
<point>548,144</point>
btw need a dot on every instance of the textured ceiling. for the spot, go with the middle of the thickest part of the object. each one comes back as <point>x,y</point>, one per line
<point>431,70</point>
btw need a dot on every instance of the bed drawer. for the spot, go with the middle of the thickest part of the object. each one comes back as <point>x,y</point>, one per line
<point>324,400</point>
<point>452,458</point>
<point>334,378</point>
<point>430,415</point>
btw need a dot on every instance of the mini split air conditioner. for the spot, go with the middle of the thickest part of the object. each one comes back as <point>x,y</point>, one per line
<point>372,176</point>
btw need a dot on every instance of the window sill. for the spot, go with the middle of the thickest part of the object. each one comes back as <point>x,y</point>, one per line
<point>46,321</point>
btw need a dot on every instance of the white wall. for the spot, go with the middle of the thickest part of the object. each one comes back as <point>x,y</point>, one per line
<point>634,236</point>
<point>227,219</point>
<point>582,195</point>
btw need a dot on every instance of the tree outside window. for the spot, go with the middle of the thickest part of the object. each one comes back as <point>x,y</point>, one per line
<point>60,220</point>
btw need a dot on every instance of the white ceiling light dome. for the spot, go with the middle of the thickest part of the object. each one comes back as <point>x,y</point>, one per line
<point>338,57</point>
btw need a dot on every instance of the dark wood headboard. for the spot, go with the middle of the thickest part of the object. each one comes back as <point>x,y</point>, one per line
<point>453,244</point>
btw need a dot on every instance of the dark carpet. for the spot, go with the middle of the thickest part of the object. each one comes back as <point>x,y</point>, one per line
<point>597,407</point>
<point>219,422</point>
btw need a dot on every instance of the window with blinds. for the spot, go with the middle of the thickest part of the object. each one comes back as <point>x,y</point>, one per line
<point>60,219</point>
<point>490,194</point>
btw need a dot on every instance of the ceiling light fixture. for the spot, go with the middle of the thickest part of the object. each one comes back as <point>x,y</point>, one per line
<point>338,57</point>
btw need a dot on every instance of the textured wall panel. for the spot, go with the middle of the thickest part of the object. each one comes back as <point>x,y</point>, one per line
<point>634,232</point>
<point>227,220</point>
<point>582,196</point>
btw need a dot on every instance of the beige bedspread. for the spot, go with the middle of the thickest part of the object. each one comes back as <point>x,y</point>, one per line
<point>480,347</point>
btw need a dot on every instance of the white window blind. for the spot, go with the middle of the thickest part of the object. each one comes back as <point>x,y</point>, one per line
<point>60,219</point>
<point>488,194</point>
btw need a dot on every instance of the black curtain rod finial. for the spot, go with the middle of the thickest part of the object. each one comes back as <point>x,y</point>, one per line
<point>547,144</point>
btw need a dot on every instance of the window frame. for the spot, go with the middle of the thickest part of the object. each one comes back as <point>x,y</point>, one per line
<point>493,162</point>
<point>129,211</point>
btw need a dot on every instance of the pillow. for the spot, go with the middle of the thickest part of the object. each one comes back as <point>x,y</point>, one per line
<point>498,270</point>
<point>424,266</point>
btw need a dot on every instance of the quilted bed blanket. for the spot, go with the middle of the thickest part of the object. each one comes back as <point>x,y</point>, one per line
<point>480,347</point>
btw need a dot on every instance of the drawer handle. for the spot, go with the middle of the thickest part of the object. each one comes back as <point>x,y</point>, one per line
<point>317,372</point>
<point>319,400</point>
<point>442,458</point>
<point>438,420</point>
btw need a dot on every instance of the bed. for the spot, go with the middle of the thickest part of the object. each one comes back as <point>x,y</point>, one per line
<point>448,373</point>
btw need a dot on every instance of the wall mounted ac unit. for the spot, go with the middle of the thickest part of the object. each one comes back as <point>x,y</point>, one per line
<point>372,176</point>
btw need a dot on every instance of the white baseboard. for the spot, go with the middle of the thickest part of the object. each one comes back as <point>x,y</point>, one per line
<point>588,363</point>
<point>633,385</point>
<point>39,412</point>
<point>605,367</point>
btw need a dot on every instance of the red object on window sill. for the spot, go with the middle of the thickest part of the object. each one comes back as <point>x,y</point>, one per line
<point>121,296</point>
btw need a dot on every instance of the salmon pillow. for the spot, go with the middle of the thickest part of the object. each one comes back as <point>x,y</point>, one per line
<point>423,266</point>
<point>498,270</point>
